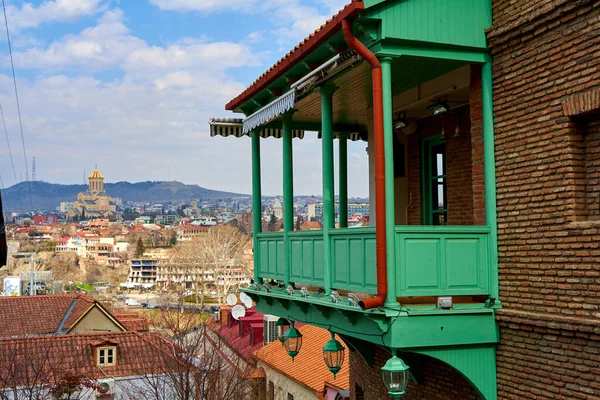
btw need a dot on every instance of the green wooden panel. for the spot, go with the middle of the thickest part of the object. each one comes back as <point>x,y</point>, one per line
<point>270,261</point>
<point>463,263</point>
<point>451,22</point>
<point>442,261</point>
<point>423,260</point>
<point>353,265</point>
<point>306,257</point>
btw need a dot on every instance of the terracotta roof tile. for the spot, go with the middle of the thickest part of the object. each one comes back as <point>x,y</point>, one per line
<point>40,315</point>
<point>308,367</point>
<point>46,359</point>
<point>302,49</point>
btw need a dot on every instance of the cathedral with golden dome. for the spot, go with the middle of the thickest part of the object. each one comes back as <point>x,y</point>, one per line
<point>94,202</point>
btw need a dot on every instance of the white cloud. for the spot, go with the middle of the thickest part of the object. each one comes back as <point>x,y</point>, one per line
<point>31,16</point>
<point>150,120</point>
<point>203,5</point>
<point>110,44</point>
<point>292,20</point>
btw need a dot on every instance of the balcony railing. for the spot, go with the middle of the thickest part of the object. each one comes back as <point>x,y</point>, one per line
<point>430,260</point>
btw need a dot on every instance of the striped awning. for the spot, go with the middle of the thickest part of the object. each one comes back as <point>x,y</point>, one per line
<point>234,127</point>
<point>272,110</point>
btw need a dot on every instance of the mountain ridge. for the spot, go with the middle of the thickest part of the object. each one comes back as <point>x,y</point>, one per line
<point>47,196</point>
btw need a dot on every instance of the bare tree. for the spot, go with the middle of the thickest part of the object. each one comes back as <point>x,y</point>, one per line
<point>185,264</point>
<point>192,368</point>
<point>222,251</point>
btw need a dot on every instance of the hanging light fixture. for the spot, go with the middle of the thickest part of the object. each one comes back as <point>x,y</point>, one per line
<point>401,122</point>
<point>333,354</point>
<point>395,376</point>
<point>281,325</point>
<point>292,341</point>
<point>443,136</point>
<point>438,108</point>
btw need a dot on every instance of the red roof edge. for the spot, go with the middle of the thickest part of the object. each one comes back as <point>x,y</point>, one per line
<point>314,40</point>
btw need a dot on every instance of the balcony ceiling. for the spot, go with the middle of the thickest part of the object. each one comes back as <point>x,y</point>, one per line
<point>353,100</point>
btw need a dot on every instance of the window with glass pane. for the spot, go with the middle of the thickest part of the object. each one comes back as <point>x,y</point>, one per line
<point>435,202</point>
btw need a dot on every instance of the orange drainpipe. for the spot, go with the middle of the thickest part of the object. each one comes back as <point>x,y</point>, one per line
<point>380,236</point>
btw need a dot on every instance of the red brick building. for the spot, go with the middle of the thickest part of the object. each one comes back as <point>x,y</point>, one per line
<point>547,127</point>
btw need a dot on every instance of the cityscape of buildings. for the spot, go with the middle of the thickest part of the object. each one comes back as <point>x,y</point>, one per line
<point>470,272</point>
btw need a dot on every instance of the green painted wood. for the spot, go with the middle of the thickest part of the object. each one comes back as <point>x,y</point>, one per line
<point>451,22</point>
<point>354,260</point>
<point>343,179</point>
<point>396,328</point>
<point>328,177</point>
<point>307,257</point>
<point>256,198</point>
<point>445,261</point>
<point>396,48</point>
<point>490,172</point>
<point>390,209</point>
<point>288,192</point>
<point>270,257</point>
<point>430,260</point>
<point>476,363</point>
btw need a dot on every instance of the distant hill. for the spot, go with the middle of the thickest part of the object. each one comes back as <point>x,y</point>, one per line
<point>48,196</point>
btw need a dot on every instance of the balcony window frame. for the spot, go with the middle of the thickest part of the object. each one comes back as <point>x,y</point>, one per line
<point>427,179</point>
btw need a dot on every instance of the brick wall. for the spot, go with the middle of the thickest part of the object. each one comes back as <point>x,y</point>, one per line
<point>440,381</point>
<point>546,75</point>
<point>464,155</point>
<point>546,358</point>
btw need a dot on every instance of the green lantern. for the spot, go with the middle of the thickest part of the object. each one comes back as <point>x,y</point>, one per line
<point>395,376</point>
<point>292,341</point>
<point>333,354</point>
<point>282,326</point>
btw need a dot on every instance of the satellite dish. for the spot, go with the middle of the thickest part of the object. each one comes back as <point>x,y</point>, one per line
<point>246,300</point>
<point>231,299</point>
<point>238,312</point>
<point>104,388</point>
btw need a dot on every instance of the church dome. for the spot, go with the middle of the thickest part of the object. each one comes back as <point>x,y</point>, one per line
<point>96,174</point>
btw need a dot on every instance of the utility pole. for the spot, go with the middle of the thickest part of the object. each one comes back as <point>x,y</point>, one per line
<point>32,283</point>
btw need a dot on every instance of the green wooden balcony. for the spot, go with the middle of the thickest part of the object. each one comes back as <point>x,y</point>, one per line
<point>430,260</point>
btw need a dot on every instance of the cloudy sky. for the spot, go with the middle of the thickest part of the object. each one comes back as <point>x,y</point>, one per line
<point>130,85</point>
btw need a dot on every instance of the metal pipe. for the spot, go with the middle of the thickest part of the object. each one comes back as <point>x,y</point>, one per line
<point>315,71</point>
<point>380,222</point>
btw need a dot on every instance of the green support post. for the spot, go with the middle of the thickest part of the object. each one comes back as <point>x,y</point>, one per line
<point>288,193</point>
<point>328,183</point>
<point>343,179</point>
<point>390,220</point>
<point>256,201</point>
<point>489,167</point>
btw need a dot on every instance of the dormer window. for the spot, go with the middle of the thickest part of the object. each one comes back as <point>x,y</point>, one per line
<point>107,356</point>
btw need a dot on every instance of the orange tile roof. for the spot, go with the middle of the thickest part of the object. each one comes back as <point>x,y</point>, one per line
<point>308,367</point>
<point>47,359</point>
<point>313,41</point>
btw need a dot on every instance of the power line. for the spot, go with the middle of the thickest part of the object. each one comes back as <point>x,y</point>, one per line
<point>12,64</point>
<point>12,163</point>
